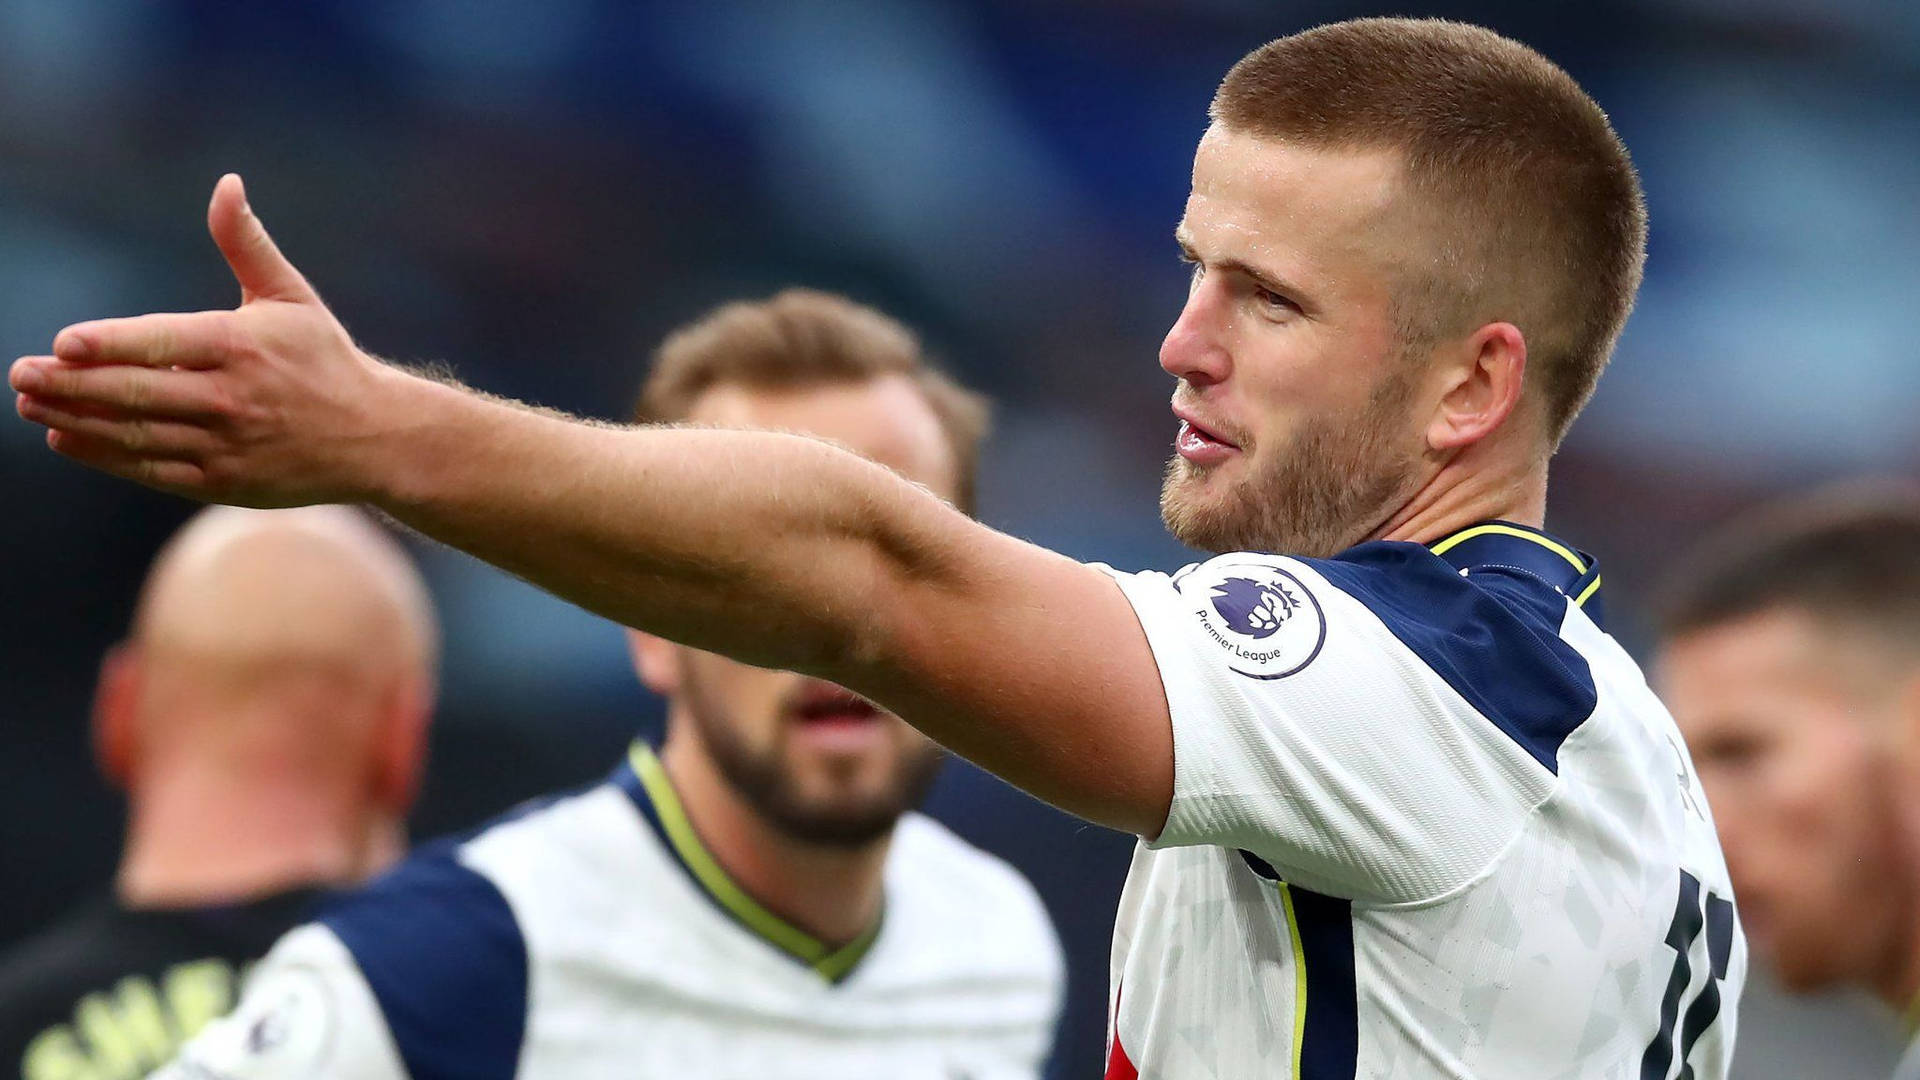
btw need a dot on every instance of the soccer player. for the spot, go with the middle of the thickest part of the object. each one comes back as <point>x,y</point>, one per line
<point>1791,655</point>
<point>755,899</point>
<point>267,720</point>
<point>1406,809</point>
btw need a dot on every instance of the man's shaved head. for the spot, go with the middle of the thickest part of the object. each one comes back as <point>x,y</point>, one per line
<point>267,714</point>
<point>321,586</point>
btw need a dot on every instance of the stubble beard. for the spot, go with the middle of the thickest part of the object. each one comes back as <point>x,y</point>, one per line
<point>1334,485</point>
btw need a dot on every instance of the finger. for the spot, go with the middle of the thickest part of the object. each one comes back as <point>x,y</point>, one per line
<point>263,273</point>
<point>200,339</point>
<point>170,439</point>
<point>148,392</point>
<point>178,477</point>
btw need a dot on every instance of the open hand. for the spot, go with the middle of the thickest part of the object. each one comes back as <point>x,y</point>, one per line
<point>269,404</point>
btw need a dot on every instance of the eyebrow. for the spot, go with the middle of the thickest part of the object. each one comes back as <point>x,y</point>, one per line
<point>1266,279</point>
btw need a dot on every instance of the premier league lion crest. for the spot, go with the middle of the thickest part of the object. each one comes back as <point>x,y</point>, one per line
<point>1268,622</point>
<point>1254,608</point>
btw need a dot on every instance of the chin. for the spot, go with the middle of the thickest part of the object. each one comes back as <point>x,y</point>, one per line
<point>1197,521</point>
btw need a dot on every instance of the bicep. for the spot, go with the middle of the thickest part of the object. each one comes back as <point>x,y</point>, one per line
<point>1030,665</point>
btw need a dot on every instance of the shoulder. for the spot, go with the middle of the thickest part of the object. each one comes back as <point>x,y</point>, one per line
<point>441,951</point>
<point>1493,634</point>
<point>975,895</point>
<point>41,967</point>
<point>1382,611</point>
<point>44,976</point>
<point>307,1012</point>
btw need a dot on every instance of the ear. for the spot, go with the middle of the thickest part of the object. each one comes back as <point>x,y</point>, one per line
<point>400,750</point>
<point>1481,388</point>
<point>116,700</point>
<point>654,660</point>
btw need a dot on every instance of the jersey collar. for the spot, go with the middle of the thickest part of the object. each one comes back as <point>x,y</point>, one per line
<point>1506,546</point>
<point>645,781</point>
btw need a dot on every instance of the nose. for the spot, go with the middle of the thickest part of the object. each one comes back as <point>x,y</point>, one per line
<point>1194,349</point>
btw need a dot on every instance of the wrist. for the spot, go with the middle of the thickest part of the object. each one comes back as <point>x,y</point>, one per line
<point>410,438</point>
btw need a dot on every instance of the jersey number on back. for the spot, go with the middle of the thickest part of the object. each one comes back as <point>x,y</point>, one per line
<point>1689,918</point>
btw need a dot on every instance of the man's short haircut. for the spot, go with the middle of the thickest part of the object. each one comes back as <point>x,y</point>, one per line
<point>1846,555</point>
<point>1536,215</point>
<point>802,338</point>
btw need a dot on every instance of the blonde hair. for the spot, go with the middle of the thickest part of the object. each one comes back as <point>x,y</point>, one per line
<point>801,338</point>
<point>1539,215</point>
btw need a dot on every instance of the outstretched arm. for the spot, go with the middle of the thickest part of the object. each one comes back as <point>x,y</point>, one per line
<point>775,549</point>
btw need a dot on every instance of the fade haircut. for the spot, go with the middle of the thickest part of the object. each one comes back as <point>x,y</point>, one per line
<point>1847,556</point>
<point>802,338</point>
<point>1533,211</point>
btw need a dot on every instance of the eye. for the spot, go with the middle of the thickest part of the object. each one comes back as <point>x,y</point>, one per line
<point>1274,302</point>
<point>1736,752</point>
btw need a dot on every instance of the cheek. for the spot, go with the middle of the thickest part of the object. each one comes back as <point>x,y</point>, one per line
<point>748,699</point>
<point>1821,807</point>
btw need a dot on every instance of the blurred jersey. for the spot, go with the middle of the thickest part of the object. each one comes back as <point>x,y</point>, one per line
<point>595,937</point>
<point>1428,821</point>
<point>111,992</point>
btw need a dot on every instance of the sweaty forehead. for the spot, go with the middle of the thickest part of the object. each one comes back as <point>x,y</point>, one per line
<point>1320,211</point>
<point>885,419</point>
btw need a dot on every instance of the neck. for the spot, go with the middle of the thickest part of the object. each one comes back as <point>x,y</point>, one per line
<point>195,839</point>
<point>832,893</point>
<point>1467,490</point>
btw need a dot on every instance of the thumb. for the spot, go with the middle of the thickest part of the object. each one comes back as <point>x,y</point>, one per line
<point>263,273</point>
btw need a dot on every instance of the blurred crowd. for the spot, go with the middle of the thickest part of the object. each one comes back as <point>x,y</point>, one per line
<point>535,193</point>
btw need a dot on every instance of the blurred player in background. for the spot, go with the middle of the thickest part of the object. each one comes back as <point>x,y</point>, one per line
<point>1406,808</point>
<point>1790,655</point>
<point>757,899</point>
<point>267,720</point>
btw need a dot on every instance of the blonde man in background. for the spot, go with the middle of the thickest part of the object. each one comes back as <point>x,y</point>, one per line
<point>756,897</point>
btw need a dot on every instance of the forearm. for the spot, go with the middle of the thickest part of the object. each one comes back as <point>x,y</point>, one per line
<point>772,549</point>
<point>764,546</point>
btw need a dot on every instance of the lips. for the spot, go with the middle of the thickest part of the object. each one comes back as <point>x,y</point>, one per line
<point>826,719</point>
<point>1200,444</point>
<point>828,704</point>
<point>1190,426</point>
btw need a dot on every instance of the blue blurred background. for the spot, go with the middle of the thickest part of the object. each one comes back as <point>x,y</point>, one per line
<point>535,192</point>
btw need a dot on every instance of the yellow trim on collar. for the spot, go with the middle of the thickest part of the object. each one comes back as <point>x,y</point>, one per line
<point>1557,548</point>
<point>1581,600</point>
<point>828,962</point>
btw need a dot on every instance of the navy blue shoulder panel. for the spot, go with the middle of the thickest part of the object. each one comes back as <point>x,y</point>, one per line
<point>1493,635</point>
<point>446,961</point>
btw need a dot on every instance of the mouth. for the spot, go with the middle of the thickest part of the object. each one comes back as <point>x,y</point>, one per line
<point>835,707</point>
<point>836,720</point>
<point>1200,444</point>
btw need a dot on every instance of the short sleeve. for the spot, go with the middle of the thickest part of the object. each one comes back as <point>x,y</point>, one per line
<point>1376,727</point>
<point>422,975</point>
<point>306,1013</point>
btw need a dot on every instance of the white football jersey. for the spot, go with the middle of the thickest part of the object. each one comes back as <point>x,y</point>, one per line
<point>1428,821</point>
<point>594,937</point>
